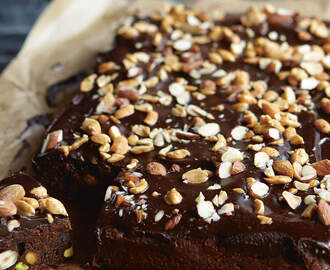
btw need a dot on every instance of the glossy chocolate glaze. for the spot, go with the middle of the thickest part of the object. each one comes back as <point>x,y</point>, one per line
<point>28,183</point>
<point>34,231</point>
<point>241,232</point>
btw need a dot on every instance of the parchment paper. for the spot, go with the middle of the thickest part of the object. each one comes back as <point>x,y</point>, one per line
<point>69,34</point>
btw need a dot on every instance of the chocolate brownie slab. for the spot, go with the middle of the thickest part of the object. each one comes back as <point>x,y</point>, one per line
<point>217,127</point>
<point>35,228</point>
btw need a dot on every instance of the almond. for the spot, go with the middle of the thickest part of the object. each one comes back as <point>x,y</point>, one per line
<point>237,167</point>
<point>283,167</point>
<point>224,169</point>
<point>196,176</point>
<point>210,129</point>
<point>186,135</point>
<point>7,208</point>
<point>323,210</point>
<point>259,189</point>
<point>173,222</point>
<point>231,154</point>
<point>12,193</point>
<point>54,138</point>
<point>292,200</point>
<point>261,159</point>
<point>156,168</point>
<point>278,179</point>
<point>322,167</point>
<point>238,133</point>
<point>307,173</point>
<point>299,155</point>
<point>270,151</point>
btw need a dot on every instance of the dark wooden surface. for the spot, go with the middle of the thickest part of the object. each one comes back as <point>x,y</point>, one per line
<point>16,19</point>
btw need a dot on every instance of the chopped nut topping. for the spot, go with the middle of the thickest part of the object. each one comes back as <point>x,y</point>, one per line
<point>173,197</point>
<point>208,130</point>
<point>278,179</point>
<point>156,168</point>
<point>196,176</point>
<point>12,193</point>
<point>283,167</point>
<point>259,189</point>
<point>322,167</point>
<point>264,219</point>
<point>261,159</point>
<point>140,187</point>
<point>178,154</point>
<point>91,126</point>
<point>120,145</point>
<point>323,210</point>
<point>292,200</point>
<point>259,207</point>
<point>53,206</point>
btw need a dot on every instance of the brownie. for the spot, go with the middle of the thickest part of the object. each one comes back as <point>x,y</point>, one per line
<point>35,228</point>
<point>207,135</point>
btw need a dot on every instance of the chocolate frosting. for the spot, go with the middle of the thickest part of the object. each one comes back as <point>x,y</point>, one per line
<point>241,231</point>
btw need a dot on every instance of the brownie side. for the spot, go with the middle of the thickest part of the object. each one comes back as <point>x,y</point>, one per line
<point>35,229</point>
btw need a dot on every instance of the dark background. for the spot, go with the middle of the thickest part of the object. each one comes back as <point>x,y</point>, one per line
<point>16,19</point>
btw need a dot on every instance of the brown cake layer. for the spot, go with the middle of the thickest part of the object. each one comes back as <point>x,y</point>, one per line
<point>209,135</point>
<point>35,229</point>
